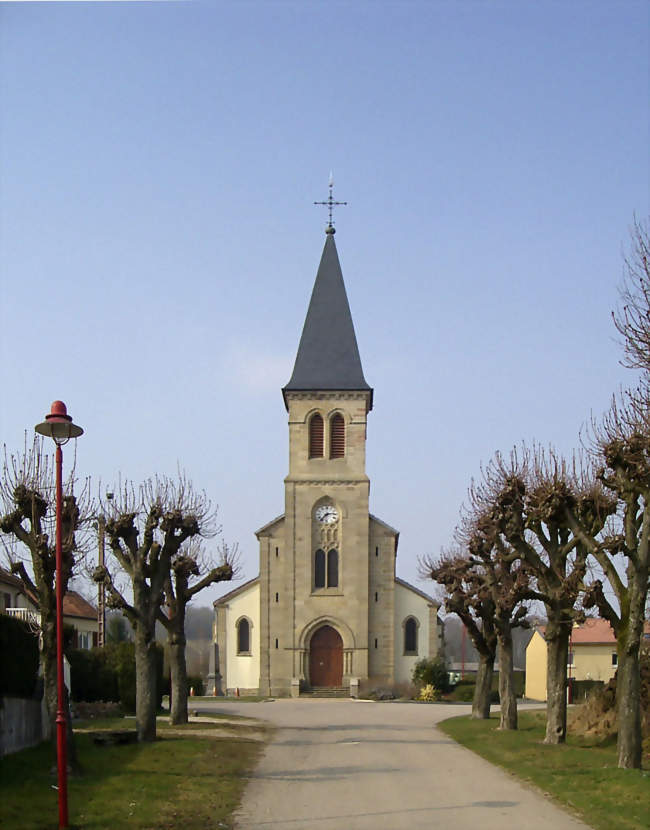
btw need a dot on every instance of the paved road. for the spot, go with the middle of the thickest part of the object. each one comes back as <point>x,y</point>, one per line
<point>356,765</point>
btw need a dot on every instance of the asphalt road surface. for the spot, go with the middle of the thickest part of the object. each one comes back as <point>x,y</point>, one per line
<point>357,765</point>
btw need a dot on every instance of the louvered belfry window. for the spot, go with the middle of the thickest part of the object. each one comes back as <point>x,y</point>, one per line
<point>337,436</point>
<point>316,434</point>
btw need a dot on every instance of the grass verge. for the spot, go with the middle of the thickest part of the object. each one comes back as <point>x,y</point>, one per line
<point>182,780</point>
<point>582,774</point>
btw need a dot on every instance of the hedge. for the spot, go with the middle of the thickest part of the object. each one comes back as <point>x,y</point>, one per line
<point>109,674</point>
<point>18,658</point>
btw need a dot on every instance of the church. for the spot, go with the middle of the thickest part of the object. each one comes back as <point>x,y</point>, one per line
<point>327,611</point>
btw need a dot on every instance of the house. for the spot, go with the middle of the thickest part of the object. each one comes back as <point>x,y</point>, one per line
<point>592,655</point>
<point>17,600</point>
<point>12,594</point>
<point>327,610</point>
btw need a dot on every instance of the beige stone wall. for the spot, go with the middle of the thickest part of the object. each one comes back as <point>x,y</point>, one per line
<point>295,607</point>
<point>276,613</point>
<point>381,603</point>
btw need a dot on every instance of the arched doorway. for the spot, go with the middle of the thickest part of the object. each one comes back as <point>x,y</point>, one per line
<point>326,658</point>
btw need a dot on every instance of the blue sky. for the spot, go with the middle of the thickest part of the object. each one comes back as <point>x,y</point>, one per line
<point>158,164</point>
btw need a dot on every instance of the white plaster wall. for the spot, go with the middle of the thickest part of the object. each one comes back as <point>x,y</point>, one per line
<point>83,625</point>
<point>243,671</point>
<point>409,604</point>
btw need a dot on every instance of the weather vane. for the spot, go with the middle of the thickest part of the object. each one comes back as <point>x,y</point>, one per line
<point>330,203</point>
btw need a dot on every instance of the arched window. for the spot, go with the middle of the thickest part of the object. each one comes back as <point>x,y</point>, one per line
<point>337,436</point>
<point>243,636</point>
<point>319,569</point>
<point>332,569</point>
<point>410,636</point>
<point>316,433</point>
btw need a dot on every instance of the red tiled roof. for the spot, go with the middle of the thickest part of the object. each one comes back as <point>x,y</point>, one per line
<point>10,579</point>
<point>593,630</point>
<point>74,605</point>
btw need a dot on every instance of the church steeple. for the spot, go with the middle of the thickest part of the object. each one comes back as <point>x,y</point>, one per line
<point>328,355</point>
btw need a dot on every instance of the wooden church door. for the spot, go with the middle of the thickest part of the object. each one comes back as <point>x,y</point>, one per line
<point>326,658</point>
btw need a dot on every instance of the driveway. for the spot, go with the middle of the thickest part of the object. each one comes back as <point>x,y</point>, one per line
<point>359,765</point>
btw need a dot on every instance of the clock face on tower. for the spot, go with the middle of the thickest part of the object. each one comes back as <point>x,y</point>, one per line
<point>326,514</point>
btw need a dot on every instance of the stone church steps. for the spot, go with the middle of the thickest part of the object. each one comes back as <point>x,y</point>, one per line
<point>325,691</point>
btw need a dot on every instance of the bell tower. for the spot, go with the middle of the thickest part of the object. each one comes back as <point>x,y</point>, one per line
<point>322,574</point>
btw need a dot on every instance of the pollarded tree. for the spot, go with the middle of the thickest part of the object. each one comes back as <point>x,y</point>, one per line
<point>190,563</point>
<point>28,495</point>
<point>508,581</point>
<point>632,320</point>
<point>467,596</point>
<point>525,500</point>
<point>146,530</point>
<point>623,553</point>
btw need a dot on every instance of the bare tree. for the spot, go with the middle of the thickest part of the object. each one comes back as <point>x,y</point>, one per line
<point>28,496</point>
<point>146,530</point>
<point>190,562</point>
<point>623,553</point>
<point>508,581</point>
<point>524,499</point>
<point>632,319</point>
<point>468,597</point>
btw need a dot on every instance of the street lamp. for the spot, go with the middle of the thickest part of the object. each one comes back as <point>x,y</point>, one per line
<point>58,426</point>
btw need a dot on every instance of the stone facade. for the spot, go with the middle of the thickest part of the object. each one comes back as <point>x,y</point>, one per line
<point>350,595</point>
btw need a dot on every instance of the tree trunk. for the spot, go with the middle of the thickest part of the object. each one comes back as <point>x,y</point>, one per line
<point>483,688</point>
<point>628,677</point>
<point>48,662</point>
<point>178,670</point>
<point>628,710</point>
<point>145,684</point>
<point>557,648</point>
<point>507,695</point>
<point>50,694</point>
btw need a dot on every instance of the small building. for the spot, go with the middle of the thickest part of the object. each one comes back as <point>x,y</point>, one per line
<point>12,592</point>
<point>18,601</point>
<point>592,655</point>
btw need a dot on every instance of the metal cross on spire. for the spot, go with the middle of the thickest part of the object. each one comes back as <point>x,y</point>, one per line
<point>330,203</point>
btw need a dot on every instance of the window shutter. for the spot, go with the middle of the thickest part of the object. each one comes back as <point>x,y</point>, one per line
<point>316,433</point>
<point>337,436</point>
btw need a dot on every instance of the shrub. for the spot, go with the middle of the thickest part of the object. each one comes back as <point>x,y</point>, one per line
<point>431,672</point>
<point>91,676</point>
<point>18,658</point>
<point>463,692</point>
<point>430,693</point>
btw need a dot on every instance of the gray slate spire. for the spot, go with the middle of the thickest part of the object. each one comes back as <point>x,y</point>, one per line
<point>328,355</point>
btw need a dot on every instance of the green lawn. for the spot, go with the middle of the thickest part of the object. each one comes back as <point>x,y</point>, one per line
<point>581,775</point>
<point>190,781</point>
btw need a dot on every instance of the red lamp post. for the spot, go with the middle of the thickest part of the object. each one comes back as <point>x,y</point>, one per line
<point>58,426</point>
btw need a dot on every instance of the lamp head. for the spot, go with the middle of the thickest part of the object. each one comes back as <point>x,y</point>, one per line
<point>58,425</point>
